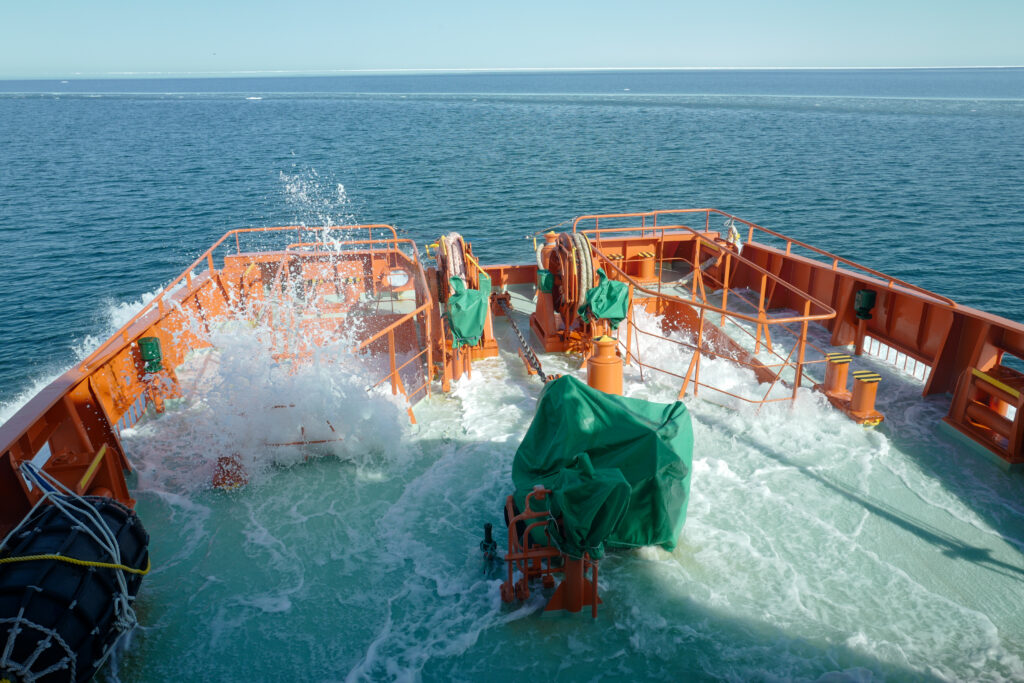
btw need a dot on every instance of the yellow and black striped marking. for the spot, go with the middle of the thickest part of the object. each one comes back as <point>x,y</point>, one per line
<point>838,358</point>
<point>867,376</point>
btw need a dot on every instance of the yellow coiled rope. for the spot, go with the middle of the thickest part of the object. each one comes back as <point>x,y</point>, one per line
<point>80,563</point>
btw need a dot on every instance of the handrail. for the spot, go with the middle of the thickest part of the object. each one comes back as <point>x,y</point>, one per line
<point>828,313</point>
<point>158,303</point>
<point>836,259</point>
<point>702,240</point>
<point>392,327</point>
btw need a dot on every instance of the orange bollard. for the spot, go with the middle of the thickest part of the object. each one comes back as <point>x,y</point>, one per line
<point>646,272</point>
<point>604,368</point>
<point>836,375</point>
<point>862,405</point>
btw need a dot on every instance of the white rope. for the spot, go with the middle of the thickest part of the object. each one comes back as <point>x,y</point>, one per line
<point>455,247</point>
<point>734,238</point>
<point>23,669</point>
<point>585,265</point>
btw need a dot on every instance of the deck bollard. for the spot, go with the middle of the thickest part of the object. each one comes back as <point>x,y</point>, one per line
<point>647,266</point>
<point>604,368</point>
<point>836,375</point>
<point>865,389</point>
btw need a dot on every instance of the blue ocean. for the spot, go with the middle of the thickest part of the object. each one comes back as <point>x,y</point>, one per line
<point>857,555</point>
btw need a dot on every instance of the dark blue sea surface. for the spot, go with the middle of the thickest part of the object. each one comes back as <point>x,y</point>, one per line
<point>109,188</point>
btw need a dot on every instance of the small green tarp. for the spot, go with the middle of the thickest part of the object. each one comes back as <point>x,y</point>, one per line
<point>618,468</point>
<point>467,311</point>
<point>609,300</point>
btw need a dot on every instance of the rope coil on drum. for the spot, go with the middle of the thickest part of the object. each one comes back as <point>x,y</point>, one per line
<point>454,247</point>
<point>584,265</point>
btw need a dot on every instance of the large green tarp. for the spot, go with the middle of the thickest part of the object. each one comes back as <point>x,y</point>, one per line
<point>619,468</point>
<point>609,300</point>
<point>467,311</point>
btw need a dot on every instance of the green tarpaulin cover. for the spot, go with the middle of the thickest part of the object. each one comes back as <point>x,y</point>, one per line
<point>609,300</point>
<point>619,468</point>
<point>467,311</point>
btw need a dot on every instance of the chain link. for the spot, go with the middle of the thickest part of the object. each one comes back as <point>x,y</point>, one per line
<point>528,353</point>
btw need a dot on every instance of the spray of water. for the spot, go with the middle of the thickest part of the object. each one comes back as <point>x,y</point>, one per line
<point>315,200</point>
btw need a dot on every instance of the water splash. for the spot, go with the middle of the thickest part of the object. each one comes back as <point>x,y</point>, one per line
<point>316,201</point>
<point>272,398</point>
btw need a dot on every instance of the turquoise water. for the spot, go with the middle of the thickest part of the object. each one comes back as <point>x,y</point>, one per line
<point>813,548</point>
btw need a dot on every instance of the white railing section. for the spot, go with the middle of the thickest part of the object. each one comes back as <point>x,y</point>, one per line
<point>897,359</point>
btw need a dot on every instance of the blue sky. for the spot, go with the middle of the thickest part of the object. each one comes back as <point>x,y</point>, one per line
<point>62,38</point>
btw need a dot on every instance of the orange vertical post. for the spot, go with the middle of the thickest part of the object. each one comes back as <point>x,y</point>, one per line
<point>862,404</point>
<point>862,326</point>
<point>725,286</point>
<point>604,369</point>
<point>629,324</point>
<point>391,361</point>
<point>836,375</point>
<point>802,348</point>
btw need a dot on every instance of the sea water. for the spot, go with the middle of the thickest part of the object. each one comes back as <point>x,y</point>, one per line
<point>813,549</point>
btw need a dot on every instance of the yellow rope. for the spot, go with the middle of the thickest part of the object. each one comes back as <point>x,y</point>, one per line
<point>80,563</point>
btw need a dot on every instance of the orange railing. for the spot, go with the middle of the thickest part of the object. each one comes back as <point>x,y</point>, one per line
<point>160,302</point>
<point>412,327</point>
<point>650,225</point>
<point>74,423</point>
<point>709,339</point>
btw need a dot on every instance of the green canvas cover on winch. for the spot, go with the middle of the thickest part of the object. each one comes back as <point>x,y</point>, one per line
<point>609,300</point>
<point>619,468</point>
<point>467,311</point>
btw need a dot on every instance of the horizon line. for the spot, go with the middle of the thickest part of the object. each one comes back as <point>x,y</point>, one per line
<point>442,71</point>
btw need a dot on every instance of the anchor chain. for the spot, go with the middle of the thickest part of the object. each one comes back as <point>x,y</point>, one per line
<point>528,353</point>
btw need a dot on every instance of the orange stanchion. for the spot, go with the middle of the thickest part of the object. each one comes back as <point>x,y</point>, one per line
<point>862,404</point>
<point>604,368</point>
<point>836,375</point>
